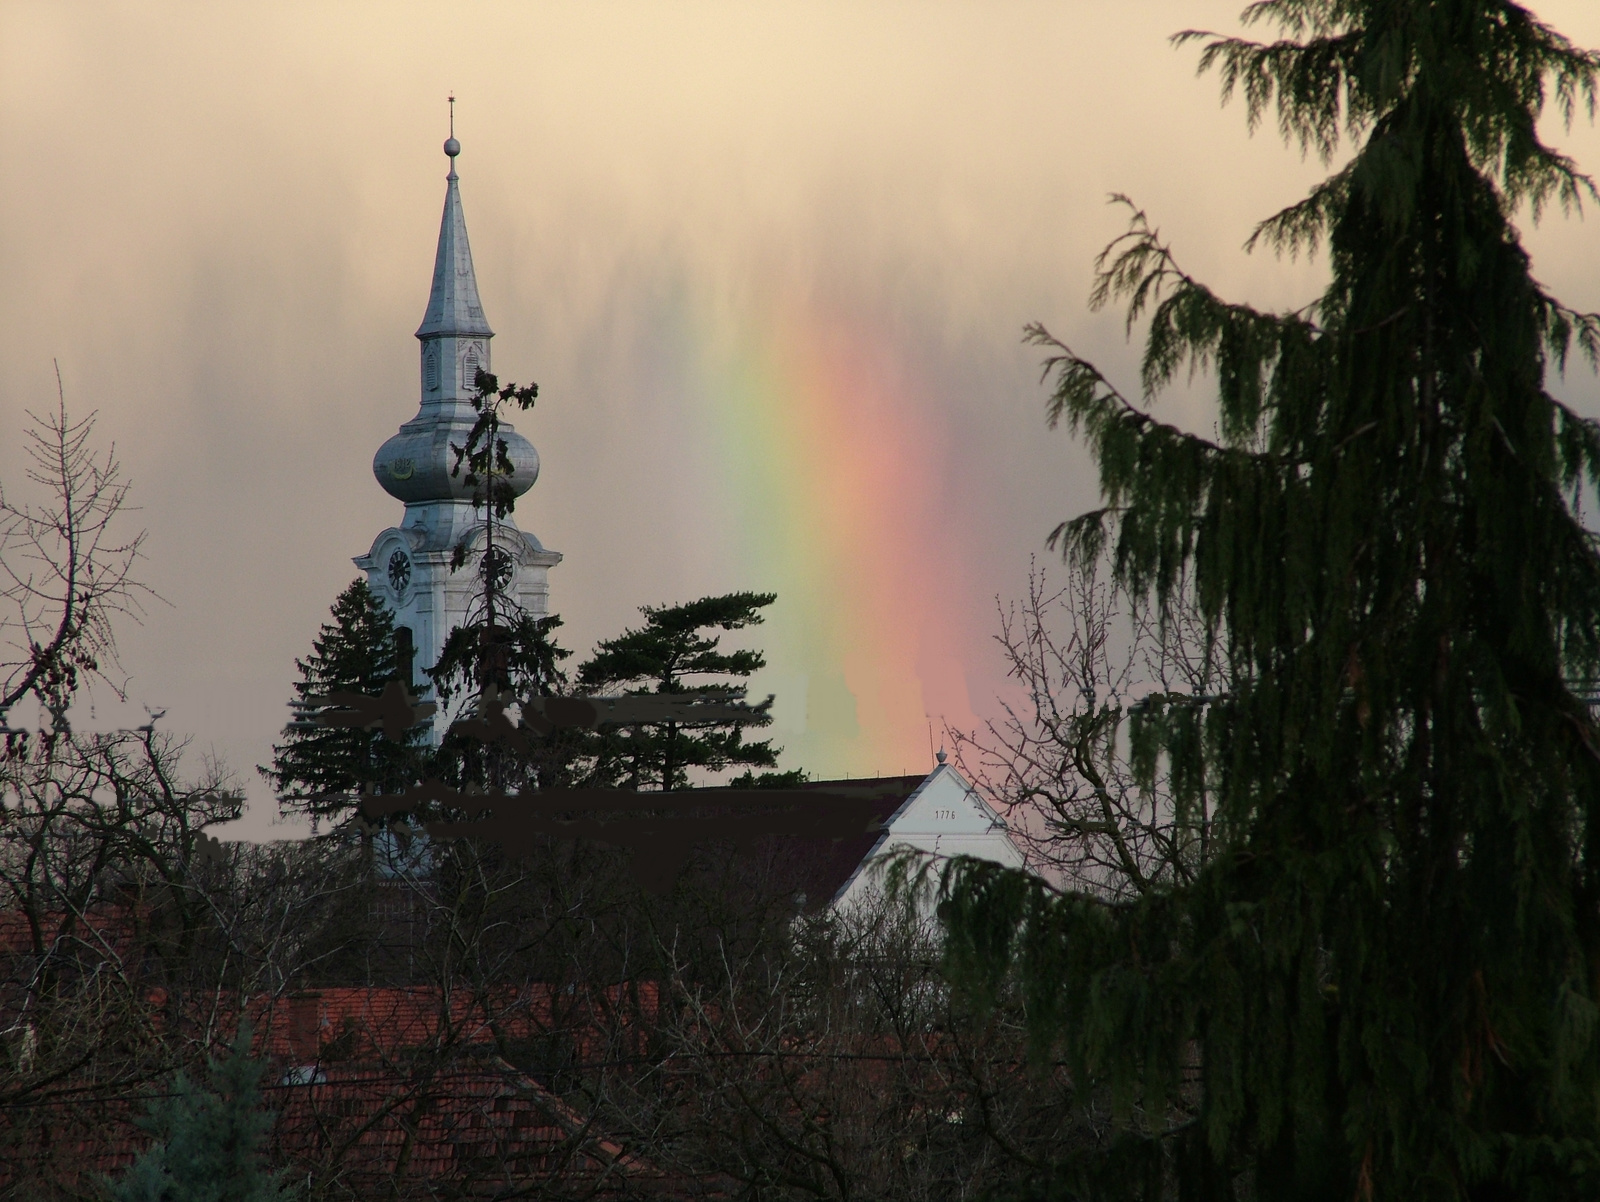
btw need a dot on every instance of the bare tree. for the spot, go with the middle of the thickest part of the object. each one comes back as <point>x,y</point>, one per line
<point>129,938</point>
<point>66,569</point>
<point>1071,760</point>
<point>840,1066</point>
<point>132,943</point>
<point>100,928</point>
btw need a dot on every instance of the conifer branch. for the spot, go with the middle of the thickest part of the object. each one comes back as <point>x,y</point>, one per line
<point>1303,225</point>
<point>1192,327</point>
<point>1310,81</point>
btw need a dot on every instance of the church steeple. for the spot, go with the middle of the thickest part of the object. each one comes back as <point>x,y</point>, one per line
<point>411,565</point>
<point>453,304</point>
<point>416,464</point>
<point>454,333</point>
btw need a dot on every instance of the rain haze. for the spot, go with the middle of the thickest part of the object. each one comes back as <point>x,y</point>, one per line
<point>769,265</point>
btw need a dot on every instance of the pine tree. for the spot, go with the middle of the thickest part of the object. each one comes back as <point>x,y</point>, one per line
<point>210,1143</point>
<point>526,659</point>
<point>1382,982</point>
<point>520,657</point>
<point>486,635</point>
<point>501,652</point>
<point>671,653</point>
<point>317,770</point>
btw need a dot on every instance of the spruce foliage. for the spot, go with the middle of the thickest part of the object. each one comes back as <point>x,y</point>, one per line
<point>210,1143</point>
<point>524,659</point>
<point>501,652</point>
<point>496,627</point>
<point>519,657</point>
<point>317,769</point>
<point>1381,983</point>
<point>673,653</point>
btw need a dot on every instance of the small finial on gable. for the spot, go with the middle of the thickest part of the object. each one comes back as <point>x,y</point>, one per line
<point>941,757</point>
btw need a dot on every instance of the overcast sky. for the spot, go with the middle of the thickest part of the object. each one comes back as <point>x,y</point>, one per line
<point>220,219</point>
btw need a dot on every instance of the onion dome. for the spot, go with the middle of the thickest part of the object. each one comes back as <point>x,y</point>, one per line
<point>415,465</point>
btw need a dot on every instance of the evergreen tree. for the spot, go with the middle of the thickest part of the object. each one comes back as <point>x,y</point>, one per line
<point>520,657</point>
<point>486,636</point>
<point>1381,983</point>
<point>501,652</point>
<point>210,1143</point>
<point>525,659</point>
<point>672,653</point>
<point>318,769</point>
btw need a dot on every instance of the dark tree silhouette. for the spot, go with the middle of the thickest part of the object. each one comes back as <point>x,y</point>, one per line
<point>318,769</point>
<point>1382,983</point>
<point>672,653</point>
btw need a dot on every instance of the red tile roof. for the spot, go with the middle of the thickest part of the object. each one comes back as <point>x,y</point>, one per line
<point>378,1091</point>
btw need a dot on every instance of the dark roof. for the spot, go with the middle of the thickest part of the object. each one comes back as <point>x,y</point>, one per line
<point>821,868</point>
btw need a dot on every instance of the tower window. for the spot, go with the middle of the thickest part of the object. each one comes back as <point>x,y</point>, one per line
<point>430,368</point>
<point>405,652</point>
<point>469,369</point>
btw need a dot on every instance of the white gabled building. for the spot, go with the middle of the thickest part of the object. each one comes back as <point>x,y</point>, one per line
<point>943,816</point>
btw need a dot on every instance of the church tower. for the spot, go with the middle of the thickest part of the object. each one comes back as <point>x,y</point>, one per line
<point>409,564</point>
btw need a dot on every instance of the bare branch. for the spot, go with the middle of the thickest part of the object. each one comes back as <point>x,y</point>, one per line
<point>66,568</point>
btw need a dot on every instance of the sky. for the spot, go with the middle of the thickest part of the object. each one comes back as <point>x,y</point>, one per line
<point>769,264</point>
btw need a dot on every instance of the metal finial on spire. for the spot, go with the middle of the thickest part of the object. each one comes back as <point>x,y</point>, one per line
<point>453,305</point>
<point>451,146</point>
<point>942,757</point>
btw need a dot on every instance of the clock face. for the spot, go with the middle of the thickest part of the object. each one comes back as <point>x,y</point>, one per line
<point>399,572</point>
<point>498,567</point>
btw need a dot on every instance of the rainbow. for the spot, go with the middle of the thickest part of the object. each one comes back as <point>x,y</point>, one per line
<point>828,467</point>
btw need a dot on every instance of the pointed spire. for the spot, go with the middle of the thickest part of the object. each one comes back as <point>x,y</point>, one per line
<point>453,304</point>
